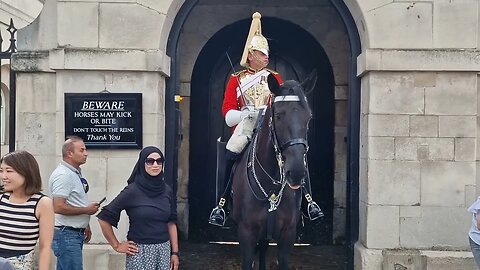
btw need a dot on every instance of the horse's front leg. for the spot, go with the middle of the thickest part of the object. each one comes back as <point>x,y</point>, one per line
<point>285,247</point>
<point>262,254</point>
<point>248,241</point>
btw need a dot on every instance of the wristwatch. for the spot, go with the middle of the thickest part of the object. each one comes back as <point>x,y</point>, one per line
<point>174,253</point>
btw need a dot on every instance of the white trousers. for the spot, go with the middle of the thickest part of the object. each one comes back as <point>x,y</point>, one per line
<point>242,134</point>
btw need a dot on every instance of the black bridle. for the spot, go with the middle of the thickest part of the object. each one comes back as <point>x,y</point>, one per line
<point>275,199</point>
<point>279,148</point>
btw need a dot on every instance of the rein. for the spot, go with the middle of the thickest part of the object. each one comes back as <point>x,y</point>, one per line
<point>274,199</point>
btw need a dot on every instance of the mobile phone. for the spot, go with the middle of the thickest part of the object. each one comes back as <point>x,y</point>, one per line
<point>102,200</point>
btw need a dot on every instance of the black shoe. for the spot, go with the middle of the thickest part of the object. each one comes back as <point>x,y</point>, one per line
<point>314,211</point>
<point>217,217</point>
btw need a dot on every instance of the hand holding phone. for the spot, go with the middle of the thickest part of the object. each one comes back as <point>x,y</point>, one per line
<point>102,200</point>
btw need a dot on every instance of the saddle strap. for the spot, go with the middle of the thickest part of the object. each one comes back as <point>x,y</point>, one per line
<point>260,117</point>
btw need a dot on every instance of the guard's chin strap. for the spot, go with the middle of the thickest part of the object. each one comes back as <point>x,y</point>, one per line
<point>258,59</point>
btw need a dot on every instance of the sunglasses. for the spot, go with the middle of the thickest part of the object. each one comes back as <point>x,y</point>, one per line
<point>150,161</point>
<point>86,187</point>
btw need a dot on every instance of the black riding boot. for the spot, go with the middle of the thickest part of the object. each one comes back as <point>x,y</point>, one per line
<point>313,209</point>
<point>218,215</point>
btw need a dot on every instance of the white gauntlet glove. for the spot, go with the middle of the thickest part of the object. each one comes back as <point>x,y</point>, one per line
<point>246,113</point>
<point>233,117</point>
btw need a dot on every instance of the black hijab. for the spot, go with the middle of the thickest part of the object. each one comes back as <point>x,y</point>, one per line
<point>150,185</point>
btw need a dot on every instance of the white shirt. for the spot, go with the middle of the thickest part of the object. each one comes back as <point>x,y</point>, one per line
<point>65,183</point>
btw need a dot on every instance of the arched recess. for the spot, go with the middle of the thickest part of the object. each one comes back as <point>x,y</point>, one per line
<point>294,57</point>
<point>4,114</point>
<point>5,106</point>
<point>22,12</point>
<point>353,139</point>
<point>173,87</point>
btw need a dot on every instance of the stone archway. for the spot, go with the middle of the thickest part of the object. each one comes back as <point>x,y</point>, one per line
<point>4,116</point>
<point>293,61</point>
<point>180,81</point>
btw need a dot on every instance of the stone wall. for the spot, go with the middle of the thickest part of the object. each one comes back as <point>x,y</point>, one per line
<point>418,132</point>
<point>316,17</point>
<point>79,47</point>
<point>22,13</point>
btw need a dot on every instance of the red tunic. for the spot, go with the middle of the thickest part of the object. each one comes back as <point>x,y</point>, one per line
<point>230,100</point>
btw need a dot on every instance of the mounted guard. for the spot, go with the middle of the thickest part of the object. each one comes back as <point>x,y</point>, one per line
<point>247,93</point>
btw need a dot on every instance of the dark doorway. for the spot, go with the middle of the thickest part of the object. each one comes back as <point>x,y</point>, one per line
<point>294,54</point>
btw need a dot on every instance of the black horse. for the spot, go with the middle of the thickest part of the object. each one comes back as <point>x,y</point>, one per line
<point>267,180</point>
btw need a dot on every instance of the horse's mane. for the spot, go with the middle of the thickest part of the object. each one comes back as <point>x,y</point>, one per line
<point>292,87</point>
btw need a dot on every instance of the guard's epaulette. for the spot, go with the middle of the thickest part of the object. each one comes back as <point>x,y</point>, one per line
<point>239,72</point>
<point>272,71</point>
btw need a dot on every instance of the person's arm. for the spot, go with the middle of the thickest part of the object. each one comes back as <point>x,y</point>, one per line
<point>61,188</point>
<point>230,101</point>
<point>87,234</point>
<point>172,232</point>
<point>277,76</point>
<point>128,247</point>
<point>61,206</point>
<point>46,218</point>
<point>110,216</point>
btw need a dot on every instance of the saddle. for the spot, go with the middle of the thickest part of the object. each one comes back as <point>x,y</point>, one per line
<point>220,187</point>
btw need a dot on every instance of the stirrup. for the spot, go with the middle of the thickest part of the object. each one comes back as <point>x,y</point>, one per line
<point>314,210</point>
<point>217,217</point>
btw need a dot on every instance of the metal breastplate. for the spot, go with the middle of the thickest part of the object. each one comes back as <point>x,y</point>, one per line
<point>258,94</point>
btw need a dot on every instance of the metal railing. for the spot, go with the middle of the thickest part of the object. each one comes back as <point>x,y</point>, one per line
<point>7,56</point>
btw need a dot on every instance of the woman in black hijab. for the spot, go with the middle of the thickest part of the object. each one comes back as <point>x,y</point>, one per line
<point>152,241</point>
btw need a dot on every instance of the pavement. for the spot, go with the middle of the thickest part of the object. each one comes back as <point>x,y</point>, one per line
<point>213,256</point>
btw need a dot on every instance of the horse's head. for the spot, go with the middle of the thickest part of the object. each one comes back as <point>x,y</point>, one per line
<point>289,125</point>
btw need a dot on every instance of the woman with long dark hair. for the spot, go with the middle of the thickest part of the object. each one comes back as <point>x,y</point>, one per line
<point>26,214</point>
